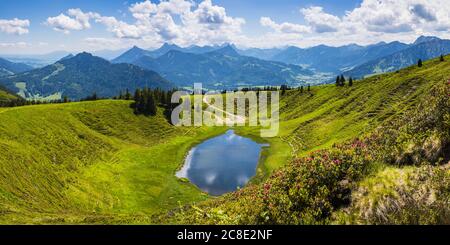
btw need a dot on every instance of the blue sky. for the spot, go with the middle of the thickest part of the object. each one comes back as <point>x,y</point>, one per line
<point>41,26</point>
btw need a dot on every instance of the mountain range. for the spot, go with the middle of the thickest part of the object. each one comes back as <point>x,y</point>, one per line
<point>324,58</point>
<point>8,68</point>
<point>80,76</point>
<point>360,60</point>
<point>218,67</point>
<point>135,52</point>
<point>424,48</point>
<point>221,68</point>
<point>356,60</point>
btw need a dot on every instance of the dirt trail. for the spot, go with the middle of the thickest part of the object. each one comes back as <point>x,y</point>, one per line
<point>230,119</point>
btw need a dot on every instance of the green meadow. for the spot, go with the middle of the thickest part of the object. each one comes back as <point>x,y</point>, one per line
<point>91,162</point>
<point>98,162</point>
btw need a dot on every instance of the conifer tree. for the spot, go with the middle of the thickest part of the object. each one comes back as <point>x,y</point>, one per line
<point>283,89</point>
<point>350,81</point>
<point>342,80</point>
<point>150,105</point>
<point>127,95</point>
<point>137,100</point>
<point>441,58</point>
<point>419,63</point>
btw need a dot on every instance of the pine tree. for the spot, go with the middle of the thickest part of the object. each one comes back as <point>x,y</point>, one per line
<point>169,98</point>
<point>283,89</point>
<point>66,99</point>
<point>151,105</point>
<point>127,95</point>
<point>350,81</point>
<point>342,80</point>
<point>441,58</point>
<point>309,88</point>
<point>301,89</point>
<point>419,63</point>
<point>137,101</point>
<point>338,81</point>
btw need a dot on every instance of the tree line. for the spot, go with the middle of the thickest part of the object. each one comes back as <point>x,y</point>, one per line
<point>340,81</point>
<point>24,102</point>
<point>147,101</point>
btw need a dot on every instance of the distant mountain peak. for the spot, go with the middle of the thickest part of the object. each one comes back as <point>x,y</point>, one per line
<point>352,45</point>
<point>424,39</point>
<point>84,54</point>
<point>169,46</point>
<point>69,56</point>
<point>84,74</point>
<point>321,46</point>
<point>136,48</point>
<point>130,55</point>
<point>227,50</point>
<point>84,57</point>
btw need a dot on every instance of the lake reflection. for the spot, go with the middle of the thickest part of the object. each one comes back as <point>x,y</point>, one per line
<point>222,164</point>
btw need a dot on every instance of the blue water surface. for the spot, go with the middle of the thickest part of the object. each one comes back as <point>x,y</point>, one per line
<point>222,164</point>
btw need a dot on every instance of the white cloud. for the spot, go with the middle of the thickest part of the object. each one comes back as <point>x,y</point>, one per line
<point>63,23</point>
<point>381,16</point>
<point>178,21</point>
<point>82,18</point>
<point>209,24</point>
<point>208,14</point>
<point>204,23</point>
<point>14,26</point>
<point>119,28</point>
<point>372,21</point>
<point>320,21</point>
<point>185,22</point>
<point>142,10</point>
<point>399,16</point>
<point>423,12</point>
<point>75,20</point>
<point>284,27</point>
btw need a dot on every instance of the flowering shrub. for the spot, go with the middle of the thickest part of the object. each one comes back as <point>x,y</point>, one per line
<point>311,188</point>
<point>306,191</point>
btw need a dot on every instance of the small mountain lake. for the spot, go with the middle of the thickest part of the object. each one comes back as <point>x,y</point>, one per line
<point>222,164</point>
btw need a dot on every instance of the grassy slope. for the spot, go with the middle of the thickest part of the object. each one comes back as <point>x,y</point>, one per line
<point>326,116</point>
<point>332,114</point>
<point>90,162</point>
<point>329,114</point>
<point>5,96</point>
<point>122,168</point>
